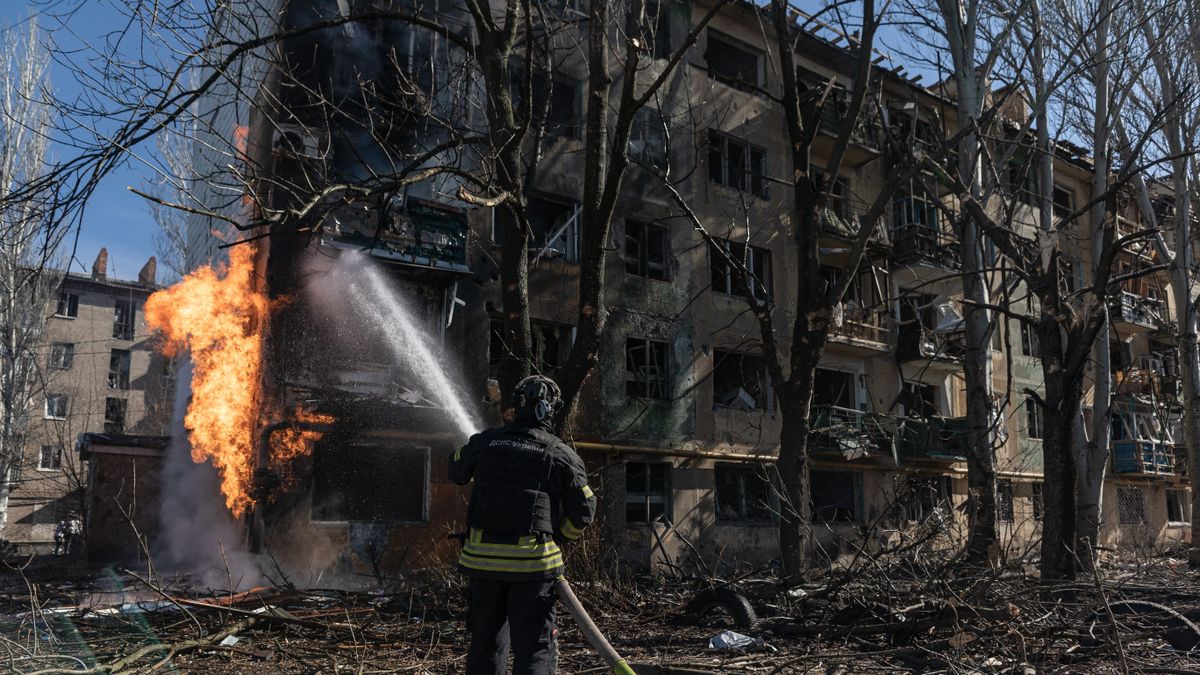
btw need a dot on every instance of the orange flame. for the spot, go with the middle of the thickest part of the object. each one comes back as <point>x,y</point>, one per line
<point>294,441</point>
<point>217,316</point>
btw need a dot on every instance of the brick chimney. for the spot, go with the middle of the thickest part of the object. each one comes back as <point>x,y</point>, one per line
<point>100,267</point>
<point>148,271</point>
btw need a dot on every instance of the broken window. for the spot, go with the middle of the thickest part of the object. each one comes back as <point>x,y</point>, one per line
<point>123,320</point>
<point>1004,501</point>
<point>56,406</point>
<point>646,250</point>
<point>114,415</point>
<point>68,306</point>
<point>552,344</point>
<point>646,368</point>
<point>62,355</point>
<point>733,62</point>
<point>740,382</point>
<point>1035,501</point>
<point>920,399</point>
<point>50,458</point>
<point>743,493</point>
<point>1033,419</point>
<point>369,483</point>
<point>555,229</point>
<point>834,387</point>
<point>1179,507</point>
<point>648,139</point>
<point>925,497</point>
<point>1131,505</point>
<point>737,164</point>
<point>914,208</point>
<point>1064,201</point>
<point>562,119</point>
<point>1029,340</point>
<point>647,488</point>
<point>755,261</point>
<point>834,497</point>
<point>118,369</point>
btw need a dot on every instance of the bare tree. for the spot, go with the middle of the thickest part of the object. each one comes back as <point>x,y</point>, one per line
<point>27,251</point>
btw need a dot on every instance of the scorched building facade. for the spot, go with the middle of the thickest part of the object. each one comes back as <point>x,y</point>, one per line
<point>678,420</point>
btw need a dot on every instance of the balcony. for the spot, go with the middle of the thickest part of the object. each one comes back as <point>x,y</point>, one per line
<point>866,133</point>
<point>1131,311</point>
<point>934,438</point>
<point>918,245</point>
<point>853,433</point>
<point>1145,382</point>
<point>841,220</point>
<point>865,329</point>
<point>1142,457</point>
<point>412,233</point>
<point>942,348</point>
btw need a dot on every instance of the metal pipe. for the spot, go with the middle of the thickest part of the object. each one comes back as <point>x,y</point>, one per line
<point>672,452</point>
<point>588,627</point>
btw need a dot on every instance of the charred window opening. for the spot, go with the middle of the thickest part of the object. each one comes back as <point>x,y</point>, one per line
<point>1035,501</point>
<point>834,387</point>
<point>647,491</point>
<point>56,406</point>
<point>555,229</point>
<point>123,320</point>
<point>648,139</point>
<point>1179,507</point>
<point>1004,501</point>
<point>50,458</point>
<point>1029,340</point>
<point>562,119</point>
<point>369,483</point>
<point>740,382</point>
<point>834,497</point>
<point>646,250</point>
<point>925,497</point>
<point>743,494</point>
<point>755,260</point>
<point>736,164</point>
<point>552,344</point>
<point>733,62</point>
<point>118,369</point>
<point>646,368</point>
<point>921,400</point>
<point>114,415</point>
<point>1064,201</point>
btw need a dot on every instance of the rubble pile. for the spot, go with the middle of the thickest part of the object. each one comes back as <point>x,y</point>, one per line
<point>880,615</point>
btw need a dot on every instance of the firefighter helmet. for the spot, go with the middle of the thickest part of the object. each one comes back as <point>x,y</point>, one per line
<point>537,395</point>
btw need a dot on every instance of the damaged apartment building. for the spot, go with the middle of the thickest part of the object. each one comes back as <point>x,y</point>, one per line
<point>678,419</point>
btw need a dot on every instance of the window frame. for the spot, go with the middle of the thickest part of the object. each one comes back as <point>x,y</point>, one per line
<point>114,425</point>
<point>1037,503</point>
<point>765,406</point>
<point>47,414</point>
<point>62,355</point>
<point>763,290</point>
<point>748,175</point>
<point>1183,498</point>
<point>648,344</point>
<point>71,302</point>
<point>742,472</point>
<point>55,452</point>
<point>730,42</point>
<point>1123,498</point>
<point>1035,429</point>
<point>647,497</point>
<point>642,265</point>
<point>124,330</point>
<point>120,374</point>
<point>649,128</point>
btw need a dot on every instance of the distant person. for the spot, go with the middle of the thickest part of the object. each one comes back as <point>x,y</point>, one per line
<point>74,534</point>
<point>60,537</point>
<point>530,493</point>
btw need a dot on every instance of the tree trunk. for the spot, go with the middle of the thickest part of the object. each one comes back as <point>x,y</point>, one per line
<point>1061,406</point>
<point>795,512</point>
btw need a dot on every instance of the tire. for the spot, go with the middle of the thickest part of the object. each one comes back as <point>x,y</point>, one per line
<point>733,603</point>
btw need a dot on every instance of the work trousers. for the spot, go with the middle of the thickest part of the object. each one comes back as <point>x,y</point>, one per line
<point>516,613</point>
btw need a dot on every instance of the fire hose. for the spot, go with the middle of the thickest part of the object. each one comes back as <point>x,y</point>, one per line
<point>586,626</point>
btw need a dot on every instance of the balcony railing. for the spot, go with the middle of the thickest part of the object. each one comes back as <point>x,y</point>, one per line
<point>413,233</point>
<point>1145,382</point>
<point>914,244</point>
<point>942,438</point>
<point>863,324</point>
<point>1143,457</point>
<point>866,133</point>
<point>843,216</point>
<point>1136,309</point>
<point>853,433</point>
<point>915,342</point>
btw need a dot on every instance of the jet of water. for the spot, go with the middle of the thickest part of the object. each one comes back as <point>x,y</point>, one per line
<point>376,301</point>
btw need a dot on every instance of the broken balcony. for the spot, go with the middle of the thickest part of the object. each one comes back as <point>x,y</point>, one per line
<point>1132,311</point>
<point>866,132</point>
<point>1144,457</point>
<point>1145,382</point>
<point>920,245</point>
<point>868,328</point>
<point>408,232</point>
<point>941,346</point>
<point>853,433</point>
<point>933,438</point>
<point>842,218</point>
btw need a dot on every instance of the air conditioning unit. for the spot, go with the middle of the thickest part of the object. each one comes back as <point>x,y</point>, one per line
<point>290,140</point>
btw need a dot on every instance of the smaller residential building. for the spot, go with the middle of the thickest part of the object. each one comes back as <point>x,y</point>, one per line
<point>99,374</point>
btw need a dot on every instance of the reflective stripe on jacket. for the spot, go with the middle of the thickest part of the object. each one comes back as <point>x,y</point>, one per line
<point>526,556</point>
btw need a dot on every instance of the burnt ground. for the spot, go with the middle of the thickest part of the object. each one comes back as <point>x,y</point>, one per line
<point>883,615</point>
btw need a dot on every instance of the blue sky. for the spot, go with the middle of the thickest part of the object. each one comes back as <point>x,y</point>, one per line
<point>114,218</point>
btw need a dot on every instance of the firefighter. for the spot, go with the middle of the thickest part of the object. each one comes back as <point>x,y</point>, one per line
<point>530,495</point>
